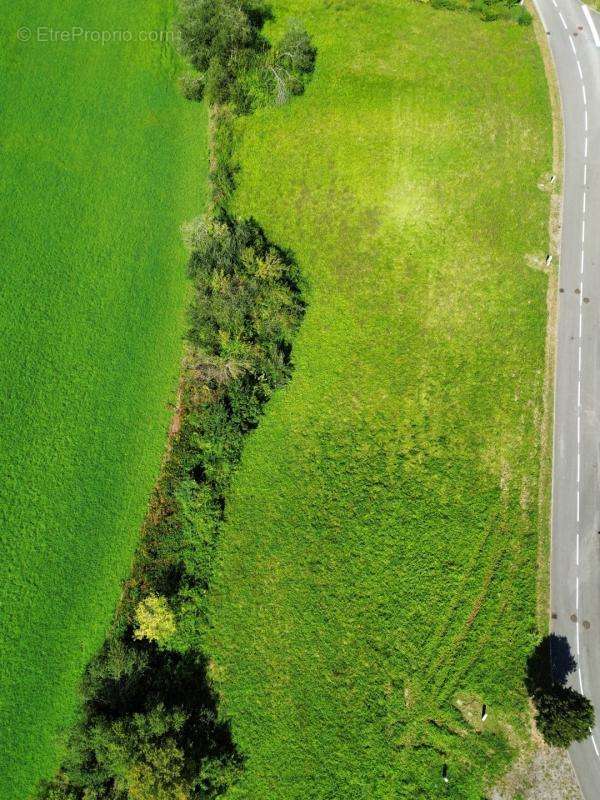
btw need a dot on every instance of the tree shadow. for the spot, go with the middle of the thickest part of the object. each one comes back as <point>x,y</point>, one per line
<point>550,663</point>
<point>131,677</point>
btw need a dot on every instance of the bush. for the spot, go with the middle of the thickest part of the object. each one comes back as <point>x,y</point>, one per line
<point>521,16</point>
<point>223,169</point>
<point>214,30</point>
<point>192,86</point>
<point>222,39</point>
<point>154,620</point>
<point>293,60</point>
<point>488,10</point>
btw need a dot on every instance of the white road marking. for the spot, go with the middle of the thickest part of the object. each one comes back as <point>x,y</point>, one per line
<point>588,16</point>
<point>584,202</point>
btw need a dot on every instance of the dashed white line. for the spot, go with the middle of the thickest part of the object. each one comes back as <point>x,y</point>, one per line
<point>584,204</point>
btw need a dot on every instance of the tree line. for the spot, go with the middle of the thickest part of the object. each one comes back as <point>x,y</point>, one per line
<point>148,726</point>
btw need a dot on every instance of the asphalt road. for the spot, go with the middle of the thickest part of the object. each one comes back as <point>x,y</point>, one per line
<point>575,601</point>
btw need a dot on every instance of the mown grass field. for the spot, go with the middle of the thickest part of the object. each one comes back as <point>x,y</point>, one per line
<point>101,161</point>
<point>377,568</point>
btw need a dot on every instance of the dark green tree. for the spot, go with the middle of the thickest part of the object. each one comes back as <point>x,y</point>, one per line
<point>563,715</point>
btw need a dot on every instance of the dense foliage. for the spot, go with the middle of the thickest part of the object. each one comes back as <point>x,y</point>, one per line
<point>563,715</point>
<point>235,63</point>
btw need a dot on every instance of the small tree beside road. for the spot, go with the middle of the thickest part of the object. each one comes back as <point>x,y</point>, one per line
<point>563,715</point>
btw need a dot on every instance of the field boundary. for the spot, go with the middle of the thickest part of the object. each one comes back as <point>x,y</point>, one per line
<point>554,234</point>
<point>148,695</point>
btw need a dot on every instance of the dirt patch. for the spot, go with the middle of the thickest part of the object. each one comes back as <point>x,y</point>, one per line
<point>536,261</point>
<point>539,773</point>
<point>545,773</point>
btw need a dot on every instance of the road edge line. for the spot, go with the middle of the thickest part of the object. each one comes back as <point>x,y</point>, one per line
<point>587,14</point>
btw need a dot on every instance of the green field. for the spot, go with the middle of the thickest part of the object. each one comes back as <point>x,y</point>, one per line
<point>377,568</point>
<point>101,161</point>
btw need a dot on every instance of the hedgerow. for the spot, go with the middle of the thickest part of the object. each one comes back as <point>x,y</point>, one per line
<point>488,10</point>
<point>149,725</point>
